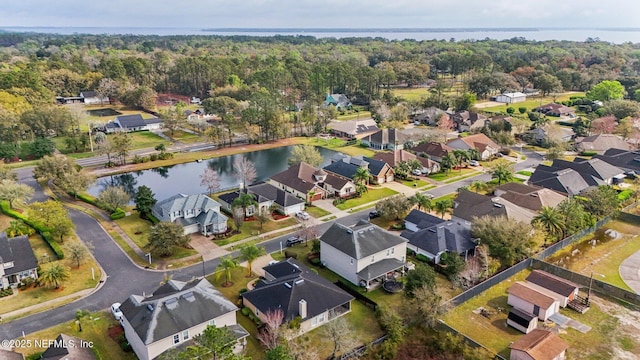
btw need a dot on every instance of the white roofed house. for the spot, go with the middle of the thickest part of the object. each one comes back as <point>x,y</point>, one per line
<point>175,313</point>
<point>364,254</point>
<point>511,98</point>
<point>17,260</point>
<point>196,213</point>
<point>91,97</point>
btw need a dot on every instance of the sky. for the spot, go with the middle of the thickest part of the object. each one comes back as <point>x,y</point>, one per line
<point>321,13</point>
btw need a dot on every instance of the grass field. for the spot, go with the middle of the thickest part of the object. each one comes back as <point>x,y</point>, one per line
<point>411,93</point>
<point>532,103</point>
<point>410,183</point>
<point>369,196</point>
<point>354,116</point>
<point>184,137</point>
<point>338,145</point>
<point>444,176</point>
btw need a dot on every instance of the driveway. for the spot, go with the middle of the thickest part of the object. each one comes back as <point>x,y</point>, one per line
<point>630,271</point>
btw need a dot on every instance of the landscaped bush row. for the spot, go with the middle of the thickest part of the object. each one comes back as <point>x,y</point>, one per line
<point>118,214</point>
<point>625,194</point>
<point>153,157</point>
<point>43,231</point>
<point>589,153</point>
<point>6,292</point>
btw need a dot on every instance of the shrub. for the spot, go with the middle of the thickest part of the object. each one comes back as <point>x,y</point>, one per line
<point>398,226</point>
<point>153,157</point>
<point>117,214</point>
<point>88,199</point>
<point>43,231</point>
<point>6,292</point>
<point>289,254</point>
<point>422,258</point>
<point>27,282</point>
<point>410,252</point>
<point>165,156</point>
<point>522,109</point>
<point>588,153</point>
<point>316,261</point>
<point>510,110</point>
<point>245,311</point>
<point>625,194</point>
<point>243,290</point>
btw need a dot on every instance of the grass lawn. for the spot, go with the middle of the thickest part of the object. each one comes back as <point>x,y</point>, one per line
<point>495,335</point>
<point>525,173</point>
<point>419,183</point>
<point>338,145</point>
<point>443,176</point>
<point>455,179</point>
<point>532,102</point>
<point>79,278</point>
<point>411,93</point>
<point>354,116</point>
<point>145,139</point>
<point>184,136</point>
<point>605,258</point>
<point>369,196</point>
<point>94,328</point>
<point>252,228</point>
<point>316,212</point>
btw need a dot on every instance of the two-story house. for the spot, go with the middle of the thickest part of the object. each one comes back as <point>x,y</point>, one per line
<point>17,260</point>
<point>364,254</point>
<point>310,184</point>
<point>194,212</point>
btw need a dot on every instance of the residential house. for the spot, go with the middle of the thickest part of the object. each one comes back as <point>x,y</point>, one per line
<point>433,150</point>
<point>266,196</point>
<point>196,213</point>
<point>340,101</point>
<point>601,143</point>
<point>67,347</point>
<point>627,160</point>
<point>133,122</point>
<point>392,139</point>
<point>482,143</point>
<point>91,97</point>
<point>310,184</point>
<point>346,166</point>
<point>417,220</point>
<point>522,320</point>
<point>435,237</point>
<point>511,98</point>
<point>17,261</point>
<point>531,300</point>
<point>294,289</point>
<point>566,289</point>
<point>353,129</point>
<point>175,313</point>
<point>364,254</point>
<point>553,109</point>
<point>539,344</point>
<point>594,172</point>
<point>467,121</point>
<point>546,133</point>
<point>430,116</point>
<point>395,157</point>
<point>564,181</point>
<point>530,197</point>
<point>6,354</point>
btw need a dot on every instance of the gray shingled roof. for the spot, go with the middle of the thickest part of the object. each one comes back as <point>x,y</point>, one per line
<point>380,268</point>
<point>75,352</point>
<point>451,236</point>
<point>274,194</point>
<point>375,166</point>
<point>173,308</point>
<point>361,240</point>
<point>468,205</point>
<point>18,250</point>
<point>182,202</point>
<point>566,181</point>
<point>624,159</point>
<point>131,121</point>
<point>551,282</point>
<point>285,292</point>
<point>422,220</point>
<point>342,168</point>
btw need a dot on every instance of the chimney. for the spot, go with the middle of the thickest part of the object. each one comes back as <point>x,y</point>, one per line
<point>302,308</point>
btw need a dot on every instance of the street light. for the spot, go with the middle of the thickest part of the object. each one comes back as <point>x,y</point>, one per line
<point>149,256</point>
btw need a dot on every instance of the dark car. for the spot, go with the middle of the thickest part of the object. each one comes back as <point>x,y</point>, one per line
<point>373,214</point>
<point>293,240</point>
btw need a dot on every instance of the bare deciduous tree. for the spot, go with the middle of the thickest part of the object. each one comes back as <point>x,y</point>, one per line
<point>244,170</point>
<point>340,334</point>
<point>271,334</point>
<point>210,179</point>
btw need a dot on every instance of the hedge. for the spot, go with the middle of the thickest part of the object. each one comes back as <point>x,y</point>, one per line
<point>589,153</point>
<point>43,231</point>
<point>89,199</point>
<point>117,214</point>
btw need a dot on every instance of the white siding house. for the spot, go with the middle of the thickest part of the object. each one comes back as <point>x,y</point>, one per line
<point>511,98</point>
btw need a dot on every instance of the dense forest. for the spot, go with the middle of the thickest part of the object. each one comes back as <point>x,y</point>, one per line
<point>253,81</point>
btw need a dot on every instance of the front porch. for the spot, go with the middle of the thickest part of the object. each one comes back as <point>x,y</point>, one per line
<point>374,275</point>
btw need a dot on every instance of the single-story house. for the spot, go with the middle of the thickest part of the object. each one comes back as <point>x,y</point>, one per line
<point>450,236</point>
<point>340,101</point>
<point>482,143</point>
<point>594,172</point>
<point>433,150</point>
<point>17,260</point>
<point>601,143</point>
<point>353,129</point>
<point>430,116</point>
<point>266,195</point>
<point>629,161</point>
<point>467,121</point>
<point>522,320</point>
<point>294,289</point>
<point>133,122</point>
<point>395,157</point>
<point>67,347</point>
<point>553,109</point>
<point>547,133</point>
<point>530,197</point>
<point>194,212</point>
<point>566,289</point>
<point>391,139</point>
<point>346,166</point>
<point>511,98</point>
<point>310,183</point>
<point>526,298</point>
<point>91,97</point>
<point>365,254</point>
<point>539,344</point>
<point>175,313</point>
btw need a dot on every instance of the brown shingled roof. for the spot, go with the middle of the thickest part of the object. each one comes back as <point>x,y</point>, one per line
<point>540,345</point>
<point>522,291</point>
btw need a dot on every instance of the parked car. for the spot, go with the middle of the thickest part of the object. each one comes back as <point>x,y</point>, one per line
<point>416,172</point>
<point>373,214</point>
<point>293,240</point>
<point>115,310</point>
<point>474,163</point>
<point>303,215</point>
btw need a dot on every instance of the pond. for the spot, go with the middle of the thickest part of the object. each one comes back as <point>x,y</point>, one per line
<point>566,258</point>
<point>103,112</point>
<point>185,178</point>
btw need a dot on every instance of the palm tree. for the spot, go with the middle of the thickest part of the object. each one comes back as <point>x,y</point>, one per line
<point>443,206</point>
<point>551,220</point>
<point>250,253</point>
<point>447,162</point>
<point>502,173</point>
<point>473,154</point>
<point>478,186</point>
<point>244,201</point>
<point>461,156</point>
<point>53,276</point>
<point>227,264</point>
<point>422,201</point>
<point>362,176</point>
<point>402,169</point>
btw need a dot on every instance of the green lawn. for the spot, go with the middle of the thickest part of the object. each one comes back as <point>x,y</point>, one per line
<point>411,93</point>
<point>95,328</point>
<point>184,136</point>
<point>252,228</point>
<point>444,176</point>
<point>410,183</point>
<point>367,197</point>
<point>525,173</point>
<point>531,103</point>
<point>338,145</point>
<point>355,115</point>
<point>316,212</point>
<point>146,139</point>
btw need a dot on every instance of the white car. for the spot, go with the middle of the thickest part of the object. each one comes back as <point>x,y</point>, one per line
<point>115,310</point>
<point>474,163</point>
<point>416,172</point>
<point>303,215</point>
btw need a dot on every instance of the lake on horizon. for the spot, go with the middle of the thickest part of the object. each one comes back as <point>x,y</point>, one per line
<point>184,178</point>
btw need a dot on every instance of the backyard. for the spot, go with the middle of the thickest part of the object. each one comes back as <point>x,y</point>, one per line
<point>367,197</point>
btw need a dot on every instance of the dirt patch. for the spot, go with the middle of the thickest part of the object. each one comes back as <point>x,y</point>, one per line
<point>628,326</point>
<point>115,331</point>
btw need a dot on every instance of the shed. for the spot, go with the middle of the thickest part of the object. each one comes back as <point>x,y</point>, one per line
<point>522,320</point>
<point>511,98</point>
<point>565,288</point>
<point>526,298</point>
<point>538,345</point>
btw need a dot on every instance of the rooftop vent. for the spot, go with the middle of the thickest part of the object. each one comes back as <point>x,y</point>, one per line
<point>150,307</point>
<point>361,232</point>
<point>287,285</point>
<point>349,231</point>
<point>497,205</point>
<point>534,194</point>
<point>171,303</point>
<point>189,296</point>
<point>299,281</point>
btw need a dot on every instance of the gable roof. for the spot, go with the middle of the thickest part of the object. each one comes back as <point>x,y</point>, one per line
<point>182,202</point>
<point>342,168</point>
<point>530,197</point>
<point>478,141</point>
<point>566,181</point>
<point>375,166</point>
<point>278,196</point>
<point>17,250</point>
<point>130,121</point>
<point>540,345</point>
<point>554,283</point>
<point>10,355</point>
<point>468,205</point>
<point>389,136</point>
<point>451,236</point>
<point>601,142</point>
<point>361,240</point>
<point>174,307</point>
<point>433,149</point>
<point>295,283</point>
<point>71,351</point>
<point>355,127</point>
<point>423,220</point>
<point>594,171</point>
<point>624,159</point>
<point>530,295</point>
<point>520,317</point>
<point>88,93</point>
<point>300,176</point>
<point>393,158</point>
